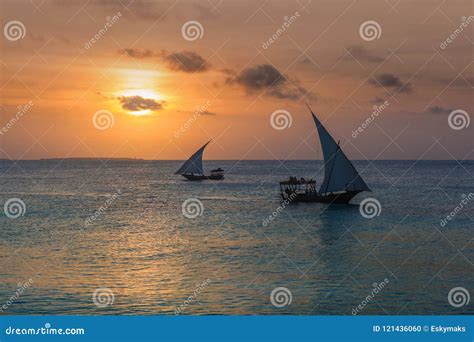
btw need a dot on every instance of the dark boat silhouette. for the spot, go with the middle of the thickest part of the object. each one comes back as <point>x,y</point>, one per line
<point>341,179</point>
<point>192,168</point>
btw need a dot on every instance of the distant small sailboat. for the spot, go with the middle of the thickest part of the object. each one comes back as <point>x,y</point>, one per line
<point>341,179</point>
<point>192,168</point>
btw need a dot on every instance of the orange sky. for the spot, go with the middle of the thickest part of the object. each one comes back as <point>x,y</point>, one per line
<point>168,90</point>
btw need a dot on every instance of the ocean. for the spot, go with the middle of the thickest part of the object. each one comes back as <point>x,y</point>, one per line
<point>129,237</point>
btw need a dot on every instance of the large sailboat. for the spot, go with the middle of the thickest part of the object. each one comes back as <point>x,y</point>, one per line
<point>341,179</point>
<point>192,168</point>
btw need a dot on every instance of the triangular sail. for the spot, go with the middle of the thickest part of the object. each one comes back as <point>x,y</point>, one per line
<point>193,164</point>
<point>339,173</point>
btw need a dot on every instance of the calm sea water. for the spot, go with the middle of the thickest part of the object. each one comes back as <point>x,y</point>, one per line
<point>141,250</point>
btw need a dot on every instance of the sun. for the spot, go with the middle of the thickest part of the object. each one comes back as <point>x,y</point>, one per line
<point>144,93</point>
<point>142,83</point>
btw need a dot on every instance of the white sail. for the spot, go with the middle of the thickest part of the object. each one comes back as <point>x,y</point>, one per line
<point>339,173</point>
<point>193,164</point>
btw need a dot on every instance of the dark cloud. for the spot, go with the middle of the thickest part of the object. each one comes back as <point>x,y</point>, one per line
<point>439,110</point>
<point>137,53</point>
<point>260,77</point>
<point>198,112</point>
<point>136,103</point>
<point>391,81</point>
<point>206,112</point>
<point>265,77</point>
<point>186,61</point>
<point>378,100</point>
<point>362,54</point>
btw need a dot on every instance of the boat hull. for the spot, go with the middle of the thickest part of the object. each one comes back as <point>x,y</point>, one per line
<point>337,198</point>
<point>202,177</point>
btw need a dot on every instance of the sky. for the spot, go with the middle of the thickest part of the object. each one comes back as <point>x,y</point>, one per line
<point>157,79</point>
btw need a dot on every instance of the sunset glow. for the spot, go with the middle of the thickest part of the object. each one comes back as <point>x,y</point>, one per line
<point>203,73</point>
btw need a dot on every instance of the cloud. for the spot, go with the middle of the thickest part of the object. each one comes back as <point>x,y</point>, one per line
<point>137,53</point>
<point>391,81</point>
<point>186,61</point>
<point>378,100</point>
<point>198,112</point>
<point>206,112</point>
<point>362,54</point>
<point>439,110</point>
<point>137,103</point>
<point>141,9</point>
<point>267,78</point>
